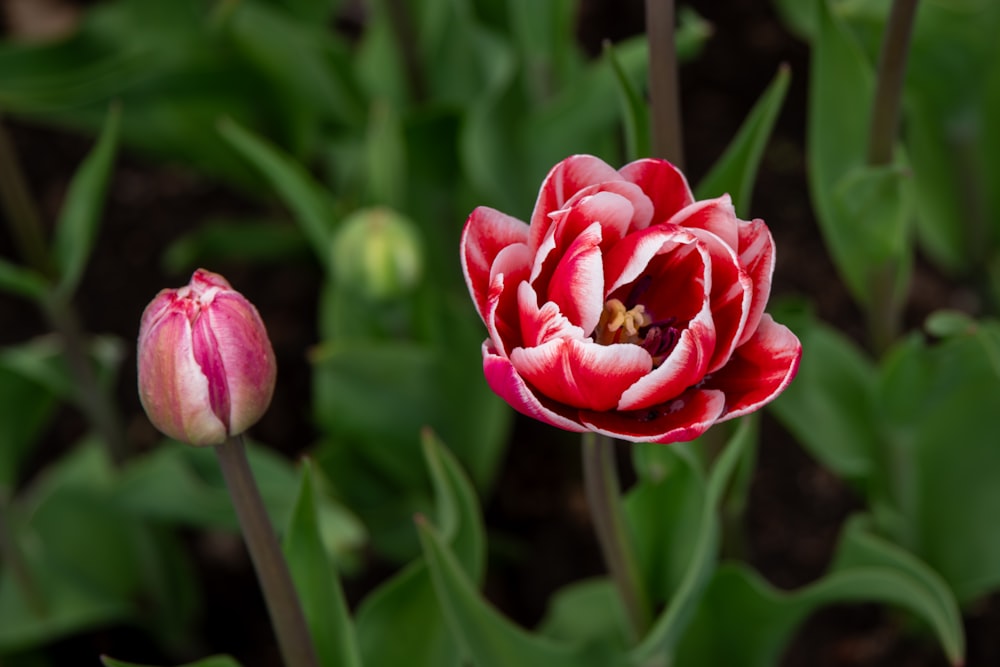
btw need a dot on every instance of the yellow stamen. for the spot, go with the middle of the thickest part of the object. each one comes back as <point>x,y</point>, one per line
<point>617,317</point>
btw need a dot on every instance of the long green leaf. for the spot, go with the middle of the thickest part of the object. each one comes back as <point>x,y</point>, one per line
<point>317,583</point>
<point>81,213</point>
<point>669,626</point>
<point>213,661</point>
<point>736,171</point>
<point>635,112</point>
<point>23,282</point>
<point>312,205</point>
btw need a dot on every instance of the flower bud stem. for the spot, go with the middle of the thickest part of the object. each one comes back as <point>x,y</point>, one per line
<point>664,94</point>
<point>884,312</point>
<point>287,617</point>
<point>604,498</point>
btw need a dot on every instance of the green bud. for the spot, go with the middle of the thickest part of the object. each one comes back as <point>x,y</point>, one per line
<point>377,252</point>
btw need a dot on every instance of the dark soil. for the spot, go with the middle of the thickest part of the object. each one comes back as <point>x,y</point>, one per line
<point>540,536</point>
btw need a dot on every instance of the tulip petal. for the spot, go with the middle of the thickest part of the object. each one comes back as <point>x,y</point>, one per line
<point>756,252</point>
<point>502,317</point>
<point>631,257</point>
<point>487,232</point>
<point>246,358</point>
<point>541,324</point>
<point>682,419</point>
<point>577,284</point>
<point>172,387</point>
<point>562,182</point>
<point>641,207</point>
<point>714,215</point>
<point>508,385</point>
<point>663,182</point>
<point>683,368</point>
<point>759,370</point>
<point>582,374</point>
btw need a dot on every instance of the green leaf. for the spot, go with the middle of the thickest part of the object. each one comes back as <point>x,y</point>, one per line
<point>22,281</point>
<point>587,612</point>
<point>837,137</point>
<point>385,153</point>
<point>317,583</point>
<point>406,604</point>
<point>313,208</point>
<point>635,112</point>
<point>830,407</point>
<point>939,404</point>
<point>736,171</point>
<point>486,637</point>
<point>214,661</point>
<point>669,627</point>
<point>220,241</point>
<point>78,223</point>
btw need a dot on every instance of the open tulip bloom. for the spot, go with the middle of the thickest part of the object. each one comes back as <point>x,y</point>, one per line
<point>626,307</point>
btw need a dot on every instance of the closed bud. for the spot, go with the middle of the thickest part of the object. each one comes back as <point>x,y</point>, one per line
<point>377,252</point>
<point>206,366</point>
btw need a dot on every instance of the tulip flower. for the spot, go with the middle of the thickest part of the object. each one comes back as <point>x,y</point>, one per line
<point>626,307</point>
<point>206,366</point>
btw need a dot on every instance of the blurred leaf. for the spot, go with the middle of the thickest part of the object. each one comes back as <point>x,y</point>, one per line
<point>386,157</point>
<point>587,612</point>
<point>22,281</point>
<point>836,136</point>
<point>831,405</point>
<point>692,33</point>
<point>317,583</point>
<point>635,111</point>
<point>219,241</point>
<point>406,604</point>
<point>945,323</point>
<point>669,626</point>
<point>214,661</point>
<point>25,405</point>
<point>76,230</point>
<point>939,404</point>
<point>543,34</point>
<point>486,637</point>
<point>735,172</point>
<point>317,12</point>
<point>312,205</point>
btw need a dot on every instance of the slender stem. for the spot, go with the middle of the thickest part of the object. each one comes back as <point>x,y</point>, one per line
<point>20,210</point>
<point>889,85</point>
<point>91,396</point>
<point>885,311</point>
<point>283,604</point>
<point>406,38</point>
<point>604,497</point>
<point>14,560</point>
<point>664,87</point>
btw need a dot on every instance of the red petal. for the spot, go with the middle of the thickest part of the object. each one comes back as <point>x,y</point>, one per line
<point>562,182</point>
<point>663,183</point>
<point>577,284</point>
<point>756,252</point>
<point>732,291</point>
<point>508,385</point>
<point>759,370</point>
<point>642,206</point>
<point>680,420</point>
<point>486,233</point>
<point>542,324</point>
<point>628,259</point>
<point>582,374</point>
<point>683,368</point>
<point>714,215</point>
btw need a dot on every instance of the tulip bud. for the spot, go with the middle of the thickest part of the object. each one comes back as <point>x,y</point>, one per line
<point>206,366</point>
<point>377,252</point>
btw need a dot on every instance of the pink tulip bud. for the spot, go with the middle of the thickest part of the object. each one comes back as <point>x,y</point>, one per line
<point>206,367</point>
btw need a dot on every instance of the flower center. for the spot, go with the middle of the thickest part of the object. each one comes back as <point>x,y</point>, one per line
<point>619,324</point>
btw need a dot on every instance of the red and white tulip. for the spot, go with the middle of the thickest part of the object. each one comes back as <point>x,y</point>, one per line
<point>625,306</point>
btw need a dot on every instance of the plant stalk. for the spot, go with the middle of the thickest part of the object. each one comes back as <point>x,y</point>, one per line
<point>283,605</point>
<point>664,85</point>
<point>19,208</point>
<point>885,310</point>
<point>604,498</point>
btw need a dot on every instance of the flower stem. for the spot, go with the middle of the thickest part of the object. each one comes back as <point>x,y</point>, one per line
<point>283,604</point>
<point>885,310</point>
<point>604,497</point>
<point>664,88</point>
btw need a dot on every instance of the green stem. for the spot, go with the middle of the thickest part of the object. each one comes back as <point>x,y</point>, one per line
<point>20,210</point>
<point>91,397</point>
<point>14,560</point>
<point>283,604</point>
<point>604,498</point>
<point>885,309</point>
<point>664,87</point>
